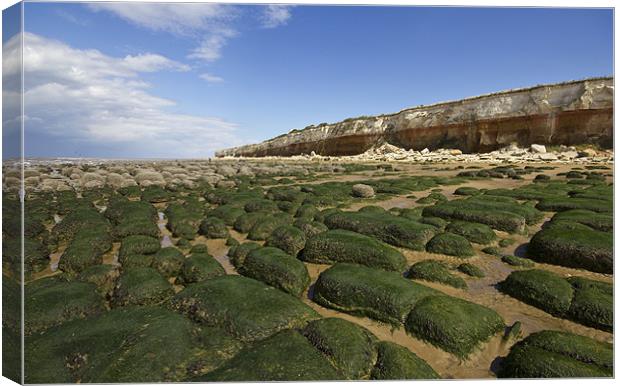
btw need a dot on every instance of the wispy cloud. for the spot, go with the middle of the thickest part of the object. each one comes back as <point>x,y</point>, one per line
<point>72,18</point>
<point>211,78</point>
<point>275,15</point>
<point>87,96</point>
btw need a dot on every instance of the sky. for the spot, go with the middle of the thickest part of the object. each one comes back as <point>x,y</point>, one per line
<point>148,80</point>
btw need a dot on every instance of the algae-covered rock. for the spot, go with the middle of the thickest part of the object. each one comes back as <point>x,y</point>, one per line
<point>394,230</point>
<point>359,290</point>
<point>351,348</point>
<point>437,271</point>
<point>340,245</point>
<point>452,324</point>
<point>573,245</point>
<point>541,289</point>
<point>267,224</point>
<point>141,286</point>
<point>138,245</point>
<point>285,356</point>
<point>103,276</point>
<point>471,270</point>
<point>213,228</point>
<point>168,261</point>
<point>228,213</point>
<point>395,362</point>
<point>52,301</point>
<point>288,238</point>
<point>135,261</point>
<point>593,303</point>
<point>310,228</point>
<point>517,261</point>
<point>199,267</point>
<point>276,268</point>
<point>450,244</point>
<point>556,354</point>
<point>238,253</point>
<point>128,344</point>
<point>476,233</point>
<point>246,308</point>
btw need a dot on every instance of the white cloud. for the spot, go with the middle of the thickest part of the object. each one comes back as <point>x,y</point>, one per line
<point>87,96</point>
<point>275,15</point>
<point>211,78</point>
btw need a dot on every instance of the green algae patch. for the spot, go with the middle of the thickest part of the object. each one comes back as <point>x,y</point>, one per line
<point>471,270</point>
<point>199,267</point>
<point>598,221</point>
<point>52,301</point>
<point>86,249</point>
<point>306,211</point>
<point>263,228</point>
<point>475,233</point>
<point>344,246</point>
<point>395,362</point>
<point>286,356</point>
<point>559,204</point>
<point>138,245</point>
<point>141,286</point>
<point>359,290</point>
<point>310,228</point>
<point>350,348</point>
<point>246,221</point>
<point>555,354</point>
<point>228,213</point>
<point>122,345</point>
<point>213,228</point>
<point>517,261</point>
<point>168,261</point>
<point>394,230</point>
<point>541,289</point>
<point>239,252</point>
<point>275,267</point>
<point>573,245</point>
<point>103,276</point>
<point>592,304</point>
<point>435,271</point>
<point>450,244</point>
<point>454,325</point>
<point>288,238</point>
<point>246,308</point>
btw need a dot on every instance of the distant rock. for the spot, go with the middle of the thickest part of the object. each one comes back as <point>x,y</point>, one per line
<point>534,148</point>
<point>363,191</point>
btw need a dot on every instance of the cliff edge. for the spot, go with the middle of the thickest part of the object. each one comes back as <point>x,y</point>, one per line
<point>567,113</point>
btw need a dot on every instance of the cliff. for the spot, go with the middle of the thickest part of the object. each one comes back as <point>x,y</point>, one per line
<point>566,113</point>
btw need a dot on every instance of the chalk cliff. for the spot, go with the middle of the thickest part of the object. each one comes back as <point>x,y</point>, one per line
<point>566,113</point>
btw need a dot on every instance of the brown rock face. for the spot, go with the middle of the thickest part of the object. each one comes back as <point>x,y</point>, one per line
<point>558,114</point>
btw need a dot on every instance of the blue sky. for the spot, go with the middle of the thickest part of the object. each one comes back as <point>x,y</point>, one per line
<point>195,80</point>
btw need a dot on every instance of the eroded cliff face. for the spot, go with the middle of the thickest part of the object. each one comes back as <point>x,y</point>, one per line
<point>558,114</point>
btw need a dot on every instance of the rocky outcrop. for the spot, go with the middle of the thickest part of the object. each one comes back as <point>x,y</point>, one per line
<point>566,113</point>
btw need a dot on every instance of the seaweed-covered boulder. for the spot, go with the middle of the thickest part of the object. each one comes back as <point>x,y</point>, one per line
<point>246,221</point>
<point>593,303</point>
<point>135,261</point>
<point>599,221</point>
<point>168,261</point>
<point>228,213</point>
<point>340,245</point>
<point>359,290</point>
<point>541,289</point>
<point>199,248</point>
<point>437,271</point>
<point>103,276</point>
<point>573,245</point>
<point>261,205</point>
<point>517,261</point>
<point>310,228</point>
<point>199,267</point>
<point>476,233</point>
<point>452,324</point>
<point>362,191</point>
<point>213,228</point>
<point>450,244</point>
<point>246,308</point>
<point>138,245</point>
<point>264,227</point>
<point>141,286</point>
<point>133,227</point>
<point>351,348</point>
<point>394,230</point>
<point>556,354</point>
<point>237,254</point>
<point>276,268</point>
<point>288,238</point>
<point>52,301</point>
<point>122,345</point>
<point>471,270</point>
<point>85,249</point>
<point>306,211</point>
<point>395,362</point>
<point>285,356</point>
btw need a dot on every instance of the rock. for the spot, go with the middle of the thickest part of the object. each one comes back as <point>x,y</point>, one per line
<point>425,151</point>
<point>534,148</point>
<point>547,157</point>
<point>589,152</point>
<point>363,191</point>
<point>454,152</point>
